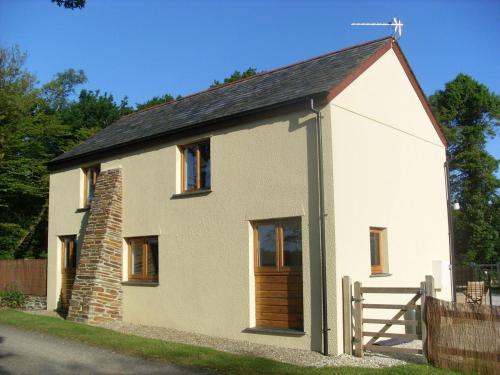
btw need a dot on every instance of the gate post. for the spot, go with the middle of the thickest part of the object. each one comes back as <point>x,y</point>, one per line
<point>347,309</point>
<point>423,319</point>
<point>427,290</point>
<point>358,320</point>
<point>429,286</point>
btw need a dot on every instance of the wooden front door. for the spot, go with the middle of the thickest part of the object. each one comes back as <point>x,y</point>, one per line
<point>69,259</point>
<point>278,274</point>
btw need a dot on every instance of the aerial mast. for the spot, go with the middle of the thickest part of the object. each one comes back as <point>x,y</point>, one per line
<point>395,23</point>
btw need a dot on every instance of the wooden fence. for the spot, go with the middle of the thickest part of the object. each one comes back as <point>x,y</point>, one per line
<point>25,275</point>
<point>463,337</point>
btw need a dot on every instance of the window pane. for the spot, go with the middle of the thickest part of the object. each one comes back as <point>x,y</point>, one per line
<point>267,245</point>
<point>205,165</point>
<point>152,257</point>
<point>67,253</point>
<point>190,168</point>
<point>292,243</point>
<point>92,174</point>
<point>73,253</point>
<point>374,248</point>
<point>136,253</point>
<point>90,185</point>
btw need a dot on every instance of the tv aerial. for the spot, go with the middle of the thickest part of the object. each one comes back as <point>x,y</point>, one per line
<point>396,24</point>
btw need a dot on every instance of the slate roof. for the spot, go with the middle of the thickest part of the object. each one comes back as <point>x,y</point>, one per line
<point>307,78</point>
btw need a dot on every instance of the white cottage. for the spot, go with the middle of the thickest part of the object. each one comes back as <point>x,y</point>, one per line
<point>230,211</point>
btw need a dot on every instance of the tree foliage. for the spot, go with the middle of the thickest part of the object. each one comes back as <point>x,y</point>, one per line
<point>37,124</point>
<point>70,4</point>
<point>469,114</point>
<point>58,91</point>
<point>236,76</point>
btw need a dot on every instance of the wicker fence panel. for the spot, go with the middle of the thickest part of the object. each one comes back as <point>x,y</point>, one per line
<point>463,337</point>
<point>25,275</point>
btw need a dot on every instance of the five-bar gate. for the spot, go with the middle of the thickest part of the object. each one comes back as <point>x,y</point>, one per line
<point>367,340</point>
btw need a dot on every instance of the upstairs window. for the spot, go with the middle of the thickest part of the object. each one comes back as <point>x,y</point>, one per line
<point>90,175</point>
<point>196,173</point>
<point>378,250</point>
<point>143,259</point>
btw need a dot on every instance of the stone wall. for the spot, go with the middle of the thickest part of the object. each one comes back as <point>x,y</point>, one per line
<point>97,291</point>
<point>35,303</point>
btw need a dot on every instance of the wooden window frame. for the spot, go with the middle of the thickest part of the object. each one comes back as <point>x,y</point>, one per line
<point>378,268</point>
<point>280,267</point>
<point>198,187</point>
<point>145,249</point>
<point>95,170</point>
<point>73,249</point>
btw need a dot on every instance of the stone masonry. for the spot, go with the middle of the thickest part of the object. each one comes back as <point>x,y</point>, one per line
<point>97,291</point>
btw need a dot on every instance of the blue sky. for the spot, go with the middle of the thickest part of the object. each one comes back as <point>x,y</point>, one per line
<point>147,48</point>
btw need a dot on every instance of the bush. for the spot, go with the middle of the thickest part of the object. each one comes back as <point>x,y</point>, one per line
<point>12,298</point>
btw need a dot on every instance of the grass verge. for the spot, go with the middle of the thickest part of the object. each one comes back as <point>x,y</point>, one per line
<point>185,355</point>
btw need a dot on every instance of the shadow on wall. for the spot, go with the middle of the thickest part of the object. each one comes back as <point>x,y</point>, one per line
<point>81,234</point>
<point>313,224</point>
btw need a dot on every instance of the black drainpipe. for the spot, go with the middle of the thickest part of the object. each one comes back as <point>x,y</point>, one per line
<point>324,300</point>
<point>450,229</point>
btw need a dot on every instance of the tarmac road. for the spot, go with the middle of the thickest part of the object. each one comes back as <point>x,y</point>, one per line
<point>31,353</point>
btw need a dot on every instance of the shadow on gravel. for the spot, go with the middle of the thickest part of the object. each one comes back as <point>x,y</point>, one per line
<point>4,355</point>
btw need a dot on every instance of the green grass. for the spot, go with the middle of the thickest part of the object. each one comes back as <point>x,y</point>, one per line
<point>184,355</point>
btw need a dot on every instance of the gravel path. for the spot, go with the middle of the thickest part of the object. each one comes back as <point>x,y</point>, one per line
<point>293,356</point>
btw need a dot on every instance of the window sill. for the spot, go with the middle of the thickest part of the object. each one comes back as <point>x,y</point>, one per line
<point>274,331</point>
<point>83,209</point>
<point>381,274</point>
<point>188,194</point>
<point>140,283</point>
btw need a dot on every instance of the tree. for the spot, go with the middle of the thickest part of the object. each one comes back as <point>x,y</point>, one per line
<point>70,4</point>
<point>468,113</point>
<point>25,131</point>
<point>58,91</point>
<point>91,113</point>
<point>37,124</point>
<point>236,76</point>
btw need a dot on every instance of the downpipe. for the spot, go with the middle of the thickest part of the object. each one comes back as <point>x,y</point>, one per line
<point>450,229</point>
<point>324,294</point>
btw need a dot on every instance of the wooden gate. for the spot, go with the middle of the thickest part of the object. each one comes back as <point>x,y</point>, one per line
<point>359,340</point>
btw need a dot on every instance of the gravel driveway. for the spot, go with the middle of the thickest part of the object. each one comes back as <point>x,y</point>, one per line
<point>24,352</point>
<point>293,356</point>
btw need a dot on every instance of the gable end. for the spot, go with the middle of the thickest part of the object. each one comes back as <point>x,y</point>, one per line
<point>391,44</point>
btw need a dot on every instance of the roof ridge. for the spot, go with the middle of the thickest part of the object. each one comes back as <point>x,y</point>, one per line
<point>258,75</point>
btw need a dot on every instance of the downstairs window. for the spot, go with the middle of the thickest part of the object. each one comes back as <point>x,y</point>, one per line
<point>143,259</point>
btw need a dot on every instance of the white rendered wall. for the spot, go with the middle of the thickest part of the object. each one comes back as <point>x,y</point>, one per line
<point>387,172</point>
<point>261,169</point>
